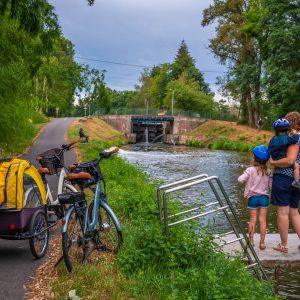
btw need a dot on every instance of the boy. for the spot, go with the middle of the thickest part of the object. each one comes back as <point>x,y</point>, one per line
<point>279,144</point>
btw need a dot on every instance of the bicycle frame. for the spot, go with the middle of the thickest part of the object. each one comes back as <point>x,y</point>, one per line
<point>90,225</point>
<point>61,184</point>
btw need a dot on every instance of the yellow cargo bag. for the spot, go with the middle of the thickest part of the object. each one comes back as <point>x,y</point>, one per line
<point>20,185</point>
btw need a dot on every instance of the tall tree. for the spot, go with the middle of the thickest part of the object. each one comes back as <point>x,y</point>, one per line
<point>185,63</point>
<point>160,77</point>
<point>57,79</point>
<point>280,28</point>
<point>239,51</point>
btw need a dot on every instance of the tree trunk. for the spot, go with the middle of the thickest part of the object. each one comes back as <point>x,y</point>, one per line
<point>250,109</point>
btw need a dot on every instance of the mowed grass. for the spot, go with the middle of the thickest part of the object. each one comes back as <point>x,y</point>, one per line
<point>101,135</point>
<point>224,135</point>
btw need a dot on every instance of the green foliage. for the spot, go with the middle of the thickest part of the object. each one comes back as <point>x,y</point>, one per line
<point>259,41</point>
<point>57,79</point>
<point>187,95</point>
<point>180,80</point>
<point>222,144</point>
<point>121,99</point>
<point>37,70</point>
<point>281,47</point>
<point>195,143</point>
<point>184,63</point>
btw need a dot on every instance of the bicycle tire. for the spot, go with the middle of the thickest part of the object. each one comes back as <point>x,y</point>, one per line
<point>110,233</point>
<point>72,243</point>
<point>39,244</point>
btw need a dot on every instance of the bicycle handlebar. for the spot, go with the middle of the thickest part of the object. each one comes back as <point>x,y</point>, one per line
<point>68,147</point>
<point>108,152</point>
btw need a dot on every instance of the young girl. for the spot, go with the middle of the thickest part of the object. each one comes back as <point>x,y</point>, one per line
<point>257,192</point>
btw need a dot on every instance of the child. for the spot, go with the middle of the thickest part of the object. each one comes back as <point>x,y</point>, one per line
<point>257,192</point>
<point>279,144</point>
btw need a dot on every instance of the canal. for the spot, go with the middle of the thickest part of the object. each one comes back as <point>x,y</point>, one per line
<point>169,163</point>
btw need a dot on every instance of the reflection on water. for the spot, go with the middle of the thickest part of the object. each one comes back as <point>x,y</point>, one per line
<point>171,163</point>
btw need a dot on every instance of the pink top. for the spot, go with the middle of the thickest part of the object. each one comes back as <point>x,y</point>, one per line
<point>256,183</point>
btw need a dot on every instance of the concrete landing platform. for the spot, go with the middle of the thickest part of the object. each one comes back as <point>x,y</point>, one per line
<point>269,256</point>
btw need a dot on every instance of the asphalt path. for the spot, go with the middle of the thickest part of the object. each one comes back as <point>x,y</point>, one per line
<point>17,264</point>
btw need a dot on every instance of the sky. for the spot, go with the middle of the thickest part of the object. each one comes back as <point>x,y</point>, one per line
<point>123,36</point>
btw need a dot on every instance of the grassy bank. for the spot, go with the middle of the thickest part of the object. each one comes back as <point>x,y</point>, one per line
<point>101,136</point>
<point>150,266</point>
<point>20,140</point>
<point>223,135</point>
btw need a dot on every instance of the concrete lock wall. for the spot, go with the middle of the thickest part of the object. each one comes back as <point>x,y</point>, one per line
<point>175,131</point>
<point>121,123</point>
<point>182,125</point>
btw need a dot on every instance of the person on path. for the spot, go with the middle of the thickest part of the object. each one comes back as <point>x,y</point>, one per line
<point>259,124</point>
<point>82,135</point>
<point>257,191</point>
<point>284,196</point>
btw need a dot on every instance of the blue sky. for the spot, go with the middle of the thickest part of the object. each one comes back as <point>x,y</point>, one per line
<point>137,32</point>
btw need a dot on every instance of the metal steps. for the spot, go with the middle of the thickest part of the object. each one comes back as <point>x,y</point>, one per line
<point>223,204</point>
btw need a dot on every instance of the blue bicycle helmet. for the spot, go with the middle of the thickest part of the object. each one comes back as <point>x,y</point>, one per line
<point>261,153</point>
<point>281,125</point>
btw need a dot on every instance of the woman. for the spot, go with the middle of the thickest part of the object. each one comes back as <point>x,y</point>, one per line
<point>283,196</point>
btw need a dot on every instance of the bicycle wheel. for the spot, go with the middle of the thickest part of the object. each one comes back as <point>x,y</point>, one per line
<point>39,243</point>
<point>73,243</point>
<point>110,233</point>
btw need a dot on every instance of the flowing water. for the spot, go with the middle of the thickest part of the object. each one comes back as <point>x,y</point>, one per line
<point>171,163</point>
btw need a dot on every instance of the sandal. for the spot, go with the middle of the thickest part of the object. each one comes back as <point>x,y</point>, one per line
<point>281,248</point>
<point>262,246</point>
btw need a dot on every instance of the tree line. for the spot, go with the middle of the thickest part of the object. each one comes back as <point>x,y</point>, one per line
<point>38,73</point>
<point>171,87</point>
<point>258,40</point>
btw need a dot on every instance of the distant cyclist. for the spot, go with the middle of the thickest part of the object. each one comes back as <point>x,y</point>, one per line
<point>280,142</point>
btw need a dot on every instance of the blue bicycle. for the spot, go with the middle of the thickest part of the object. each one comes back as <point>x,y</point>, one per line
<point>87,227</point>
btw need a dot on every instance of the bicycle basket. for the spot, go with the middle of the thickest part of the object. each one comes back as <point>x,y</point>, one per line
<point>91,167</point>
<point>52,159</point>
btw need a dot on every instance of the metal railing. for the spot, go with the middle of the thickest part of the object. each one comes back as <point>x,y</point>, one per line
<point>223,204</point>
<point>159,112</point>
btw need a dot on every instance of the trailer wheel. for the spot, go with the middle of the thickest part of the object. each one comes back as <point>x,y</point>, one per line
<point>39,243</point>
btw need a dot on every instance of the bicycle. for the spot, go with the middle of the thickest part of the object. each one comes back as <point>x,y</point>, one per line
<point>52,162</point>
<point>83,224</point>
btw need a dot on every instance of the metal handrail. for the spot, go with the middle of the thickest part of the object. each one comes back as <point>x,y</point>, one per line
<point>161,188</point>
<point>224,206</point>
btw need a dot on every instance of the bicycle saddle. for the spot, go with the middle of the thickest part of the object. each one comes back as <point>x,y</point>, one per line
<point>43,170</point>
<point>80,175</point>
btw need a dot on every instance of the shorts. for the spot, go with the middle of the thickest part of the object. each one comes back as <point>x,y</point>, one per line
<point>283,194</point>
<point>261,201</point>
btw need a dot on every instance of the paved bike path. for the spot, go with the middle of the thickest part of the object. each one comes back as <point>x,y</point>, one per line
<point>17,264</point>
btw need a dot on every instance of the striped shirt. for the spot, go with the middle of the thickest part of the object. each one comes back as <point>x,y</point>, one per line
<point>288,171</point>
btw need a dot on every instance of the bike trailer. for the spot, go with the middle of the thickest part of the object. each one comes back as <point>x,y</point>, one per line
<point>22,193</point>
